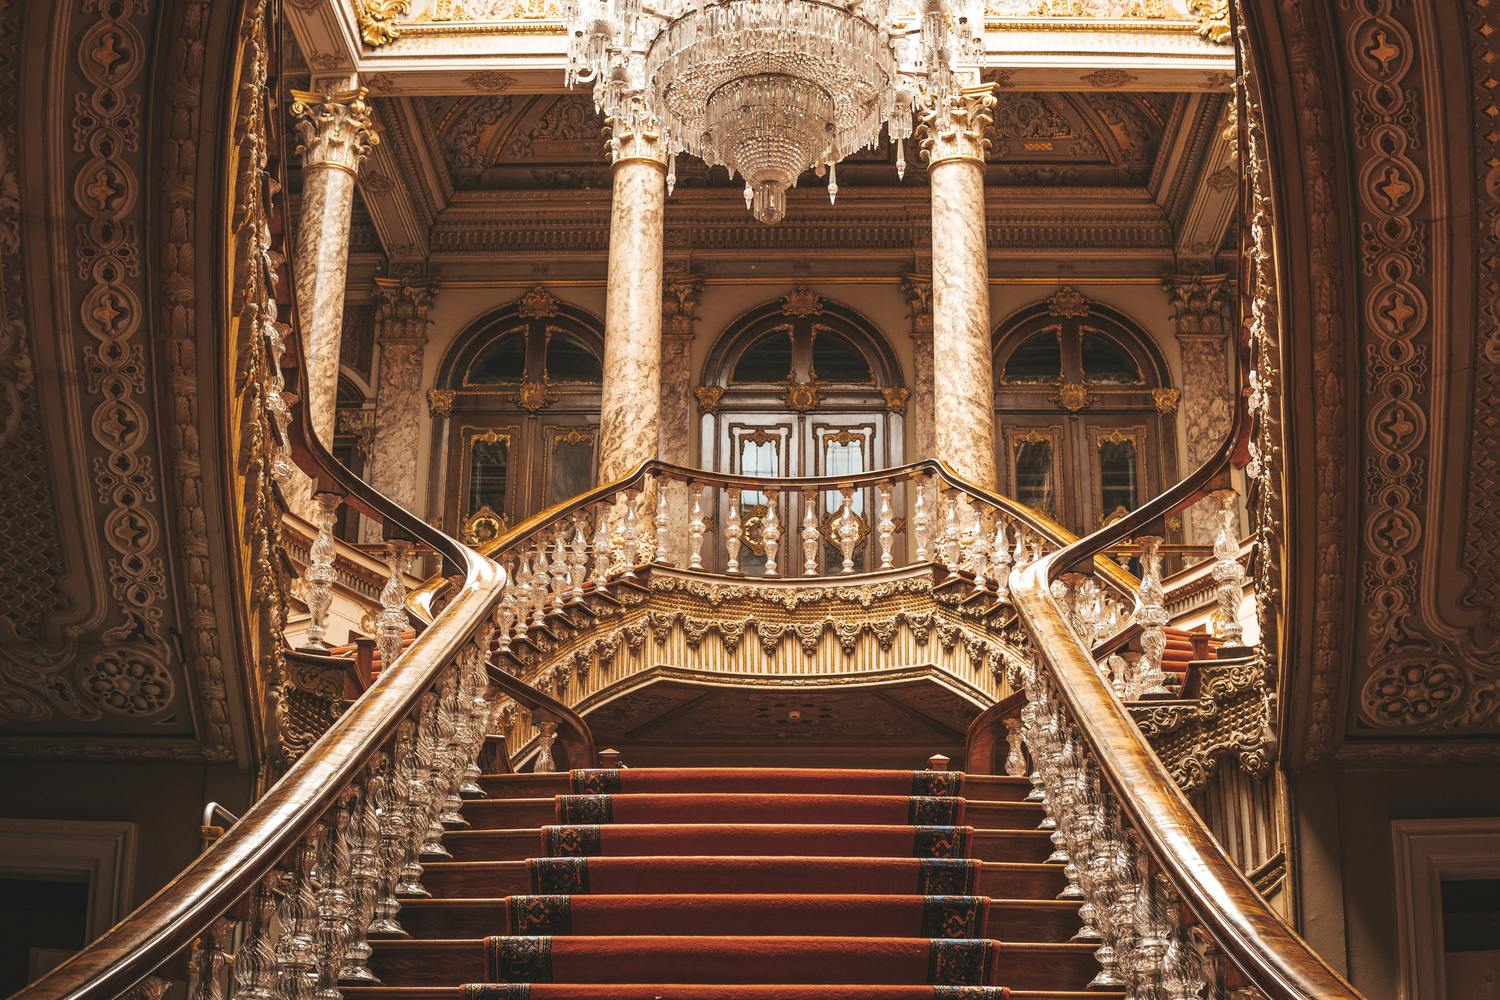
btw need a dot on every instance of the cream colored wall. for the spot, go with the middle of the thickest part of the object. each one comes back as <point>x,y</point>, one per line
<point>723,301</point>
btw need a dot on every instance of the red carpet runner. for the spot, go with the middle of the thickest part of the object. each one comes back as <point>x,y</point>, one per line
<point>739,884</point>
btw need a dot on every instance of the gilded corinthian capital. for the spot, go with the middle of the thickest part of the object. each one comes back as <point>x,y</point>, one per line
<point>335,128</point>
<point>635,135</point>
<point>959,134</point>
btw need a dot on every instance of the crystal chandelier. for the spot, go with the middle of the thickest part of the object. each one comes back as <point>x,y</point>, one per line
<point>770,88</point>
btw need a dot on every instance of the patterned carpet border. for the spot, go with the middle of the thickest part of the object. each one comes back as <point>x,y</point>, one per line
<point>943,784</point>
<point>595,781</point>
<point>512,959</point>
<point>559,876</point>
<point>953,916</point>
<point>959,962</point>
<point>941,841</point>
<point>574,841</point>
<point>947,876</point>
<point>542,914</point>
<point>930,810</point>
<point>585,809</point>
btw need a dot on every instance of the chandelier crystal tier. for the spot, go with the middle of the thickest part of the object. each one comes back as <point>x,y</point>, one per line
<point>771,88</point>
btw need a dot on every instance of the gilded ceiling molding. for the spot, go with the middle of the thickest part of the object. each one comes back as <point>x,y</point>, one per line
<point>1214,21</point>
<point>378,20</point>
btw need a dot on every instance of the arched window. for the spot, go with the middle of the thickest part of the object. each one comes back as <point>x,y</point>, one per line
<point>524,381</point>
<point>800,387</point>
<point>1084,408</point>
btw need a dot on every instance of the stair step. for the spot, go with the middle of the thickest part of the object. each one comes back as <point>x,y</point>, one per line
<point>731,839</point>
<point>512,813</point>
<point>711,992</point>
<point>1040,920</point>
<point>489,879</point>
<point>976,787</point>
<point>1020,965</point>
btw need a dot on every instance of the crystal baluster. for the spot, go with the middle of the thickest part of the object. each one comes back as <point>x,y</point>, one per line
<point>1153,933</point>
<point>1000,549</point>
<point>1151,614</point>
<point>335,908</point>
<point>810,534</point>
<point>433,737</point>
<point>541,585</point>
<point>455,748</point>
<point>696,525</point>
<point>254,960</point>
<point>949,551</point>
<point>630,536</point>
<point>732,533</point>
<point>392,620</point>
<point>967,532</point>
<point>505,616</point>
<point>578,559</point>
<point>1084,838</point>
<point>414,774</point>
<point>1229,575</point>
<point>319,575</point>
<point>521,585</point>
<point>885,526</point>
<point>1127,881</point>
<point>296,948</point>
<point>209,978</point>
<point>979,553</point>
<point>919,521</point>
<point>394,833</point>
<point>601,549</point>
<point>770,532</point>
<point>1182,968</point>
<point>364,873</point>
<point>562,571</point>
<point>1104,869</point>
<point>662,522</point>
<point>1019,555</point>
<point>846,530</point>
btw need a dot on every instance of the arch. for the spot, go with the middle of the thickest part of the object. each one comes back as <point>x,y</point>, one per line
<point>488,329</point>
<point>814,315</point>
<point>521,432</point>
<point>1084,407</point>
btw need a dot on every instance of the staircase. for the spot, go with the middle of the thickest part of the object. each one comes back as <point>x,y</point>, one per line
<point>741,884</point>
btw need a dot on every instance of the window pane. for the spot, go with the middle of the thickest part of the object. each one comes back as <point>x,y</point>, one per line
<point>1106,361</point>
<point>769,359</point>
<point>570,360</point>
<point>1038,359</point>
<point>502,360</point>
<point>835,359</point>
<point>1034,485</point>
<point>1117,478</point>
<point>571,470</point>
<point>489,467</point>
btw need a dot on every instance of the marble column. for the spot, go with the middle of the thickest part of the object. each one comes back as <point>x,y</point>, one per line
<point>963,371</point>
<point>401,308</point>
<point>922,413</point>
<point>336,134</point>
<point>678,412</point>
<point>630,403</point>
<point>1206,400</point>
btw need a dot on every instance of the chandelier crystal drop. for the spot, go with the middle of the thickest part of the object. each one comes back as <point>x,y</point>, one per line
<point>771,88</point>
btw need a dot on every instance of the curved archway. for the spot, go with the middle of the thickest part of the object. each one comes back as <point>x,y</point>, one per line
<point>801,387</point>
<point>1085,406</point>
<point>522,383</point>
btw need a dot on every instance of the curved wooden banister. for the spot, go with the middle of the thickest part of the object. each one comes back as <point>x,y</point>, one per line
<point>572,731</point>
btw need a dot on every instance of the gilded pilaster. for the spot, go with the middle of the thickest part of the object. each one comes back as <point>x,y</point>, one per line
<point>401,331</point>
<point>630,406</point>
<point>335,133</point>
<point>1207,404</point>
<point>963,375</point>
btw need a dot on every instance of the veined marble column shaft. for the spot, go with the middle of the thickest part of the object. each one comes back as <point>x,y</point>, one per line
<point>963,368</point>
<point>629,405</point>
<point>922,411</point>
<point>402,334</point>
<point>336,135</point>
<point>675,440</point>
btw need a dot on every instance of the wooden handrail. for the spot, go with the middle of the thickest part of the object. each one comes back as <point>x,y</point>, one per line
<point>572,730</point>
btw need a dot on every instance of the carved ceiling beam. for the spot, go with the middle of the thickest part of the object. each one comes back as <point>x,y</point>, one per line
<point>390,196</point>
<point>1210,208</point>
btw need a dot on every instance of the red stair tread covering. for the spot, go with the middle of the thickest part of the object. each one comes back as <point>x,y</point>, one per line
<point>725,839</point>
<point>783,781</point>
<point>701,991</point>
<point>750,914</point>
<point>636,875</point>
<point>718,807</point>
<point>737,959</point>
